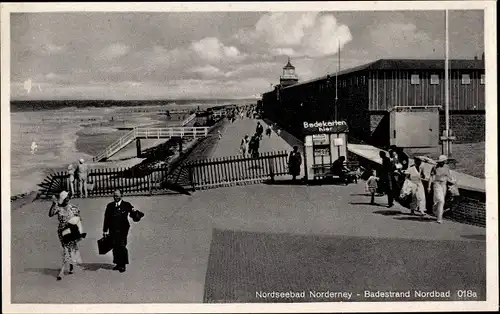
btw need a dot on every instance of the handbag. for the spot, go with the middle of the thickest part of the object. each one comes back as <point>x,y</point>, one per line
<point>408,189</point>
<point>70,233</point>
<point>453,190</point>
<point>105,244</point>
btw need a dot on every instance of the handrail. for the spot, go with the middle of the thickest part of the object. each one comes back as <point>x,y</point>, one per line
<point>144,132</point>
<point>189,119</point>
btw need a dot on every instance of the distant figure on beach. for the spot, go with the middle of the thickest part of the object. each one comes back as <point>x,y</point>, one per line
<point>71,179</point>
<point>81,177</point>
<point>70,231</point>
<point>294,162</point>
<point>116,226</point>
<point>33,147</point>
<point>219,134</point>
<point>244,145</point>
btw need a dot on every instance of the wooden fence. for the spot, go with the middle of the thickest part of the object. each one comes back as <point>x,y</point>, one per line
<point>162,179</point>
<point>233,170</point>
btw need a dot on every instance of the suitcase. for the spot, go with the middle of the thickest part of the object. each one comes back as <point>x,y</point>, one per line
<point>104,245</point>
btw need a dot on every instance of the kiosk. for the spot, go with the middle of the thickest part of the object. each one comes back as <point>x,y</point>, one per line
<point>324,142</point>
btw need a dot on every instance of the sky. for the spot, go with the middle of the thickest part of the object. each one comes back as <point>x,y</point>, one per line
<point>189,55</point>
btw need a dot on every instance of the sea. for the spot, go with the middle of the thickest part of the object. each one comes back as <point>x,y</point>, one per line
<point>47,136</point>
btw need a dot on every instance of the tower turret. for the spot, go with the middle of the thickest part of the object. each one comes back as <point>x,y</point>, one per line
<point>288,76</point>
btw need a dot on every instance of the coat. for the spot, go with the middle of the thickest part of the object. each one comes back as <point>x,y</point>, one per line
<point>294,162</point>
<point>116,221</point>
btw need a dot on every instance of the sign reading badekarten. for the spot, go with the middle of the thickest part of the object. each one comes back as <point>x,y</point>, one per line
<point>325,127</point>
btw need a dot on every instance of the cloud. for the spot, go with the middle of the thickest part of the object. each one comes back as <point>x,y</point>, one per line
<point>404,40</point>
<point>113,51</point>
<point>212,50</point>
<point>207,71</point>
<point>51,49</point>
<point>309,34</point>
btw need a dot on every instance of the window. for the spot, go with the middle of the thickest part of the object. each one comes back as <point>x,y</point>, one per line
<point>415,79</point>
<point>483,79</point>
<point>465,79</point>
<point>434,79</point>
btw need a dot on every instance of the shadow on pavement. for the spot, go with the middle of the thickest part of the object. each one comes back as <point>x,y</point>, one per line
<point>368,203</point>
<point>241,263</point>
<point>52,272</point>
<point>417,218</point>
<point>96,266</point>
<point>388,212</point>
<point>481,237</point>
<point>284,182</point>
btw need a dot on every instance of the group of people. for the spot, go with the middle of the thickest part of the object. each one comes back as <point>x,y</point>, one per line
<point>70,229</point>
<point>78,178</point>
<point>398,181</point>
<point>249,146</point>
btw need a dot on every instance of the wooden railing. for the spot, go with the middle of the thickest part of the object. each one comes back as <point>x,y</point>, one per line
<point>189,119</point>
<point>232,170</point>
<point>116,146</point>
<point>150,133</point>
<point>200,174</point>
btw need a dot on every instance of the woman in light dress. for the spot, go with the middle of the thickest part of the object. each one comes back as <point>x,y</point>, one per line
<point>244,145</point>
<point>440,176</point>
<point>67,214</point>
<point>415,174</point>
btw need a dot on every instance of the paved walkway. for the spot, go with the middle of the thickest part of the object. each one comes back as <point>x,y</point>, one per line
<point>204,247</point>
<point>229,145</point>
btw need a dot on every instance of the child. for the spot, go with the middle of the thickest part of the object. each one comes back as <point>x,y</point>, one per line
<point>371,186</point>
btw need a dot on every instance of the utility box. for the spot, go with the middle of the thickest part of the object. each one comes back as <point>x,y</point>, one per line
<point>324,142</point>
<point>414,127</point>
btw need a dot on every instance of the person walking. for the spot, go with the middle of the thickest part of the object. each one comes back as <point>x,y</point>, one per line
<point>386,177</point>
<point>116,226</point>
<point>254,146</point>
<point>244,145</point>
<point>294,162</point>
<point>81,176</point>
<point>259,130</point>
<point>440,176</point>
<point>71,180</point>
<point>371,186</point>
<point>268,131</point>
<point>67,214</point>
<point>415,174</point>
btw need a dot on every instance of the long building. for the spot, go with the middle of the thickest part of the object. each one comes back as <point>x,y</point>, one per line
<point>387,102</point>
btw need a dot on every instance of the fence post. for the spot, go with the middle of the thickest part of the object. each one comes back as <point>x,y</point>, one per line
<point>191,179</point>
<point>149,184</point>
<point>271,168</point>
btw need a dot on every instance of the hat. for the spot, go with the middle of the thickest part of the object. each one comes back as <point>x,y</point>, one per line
<point>62,196</point>
<point>442,158</point>
<point>136,215</point>
<point>81,161</point>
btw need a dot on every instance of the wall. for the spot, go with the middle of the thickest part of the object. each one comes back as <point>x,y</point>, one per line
<point>394,88</point>
<point>468,127</point>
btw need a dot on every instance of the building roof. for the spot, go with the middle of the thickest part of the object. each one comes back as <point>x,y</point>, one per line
<point>406,64</point>
<point>288,65</point>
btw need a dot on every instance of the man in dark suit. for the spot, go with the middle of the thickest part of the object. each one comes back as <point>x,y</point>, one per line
<point>385,177</point>
<point>116,225</point>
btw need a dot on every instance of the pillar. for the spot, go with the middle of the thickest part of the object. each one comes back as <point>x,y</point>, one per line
<point>138,146</point>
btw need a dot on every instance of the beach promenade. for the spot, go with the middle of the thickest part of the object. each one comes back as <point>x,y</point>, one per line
<point>227,244</point>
